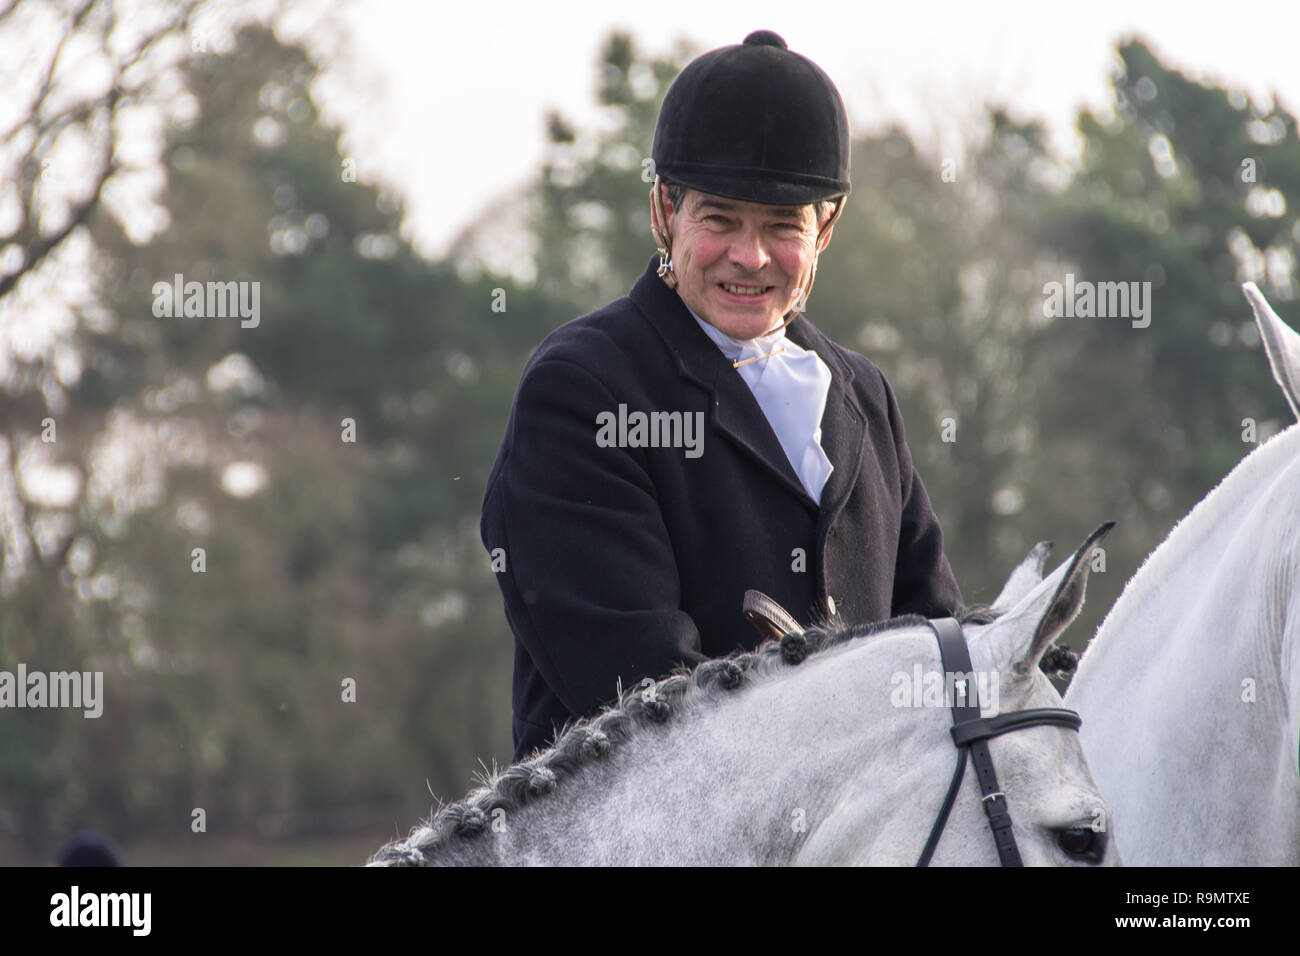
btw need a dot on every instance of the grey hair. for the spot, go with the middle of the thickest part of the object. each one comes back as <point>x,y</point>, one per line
<point>591,739</point>
<point>677,193</point>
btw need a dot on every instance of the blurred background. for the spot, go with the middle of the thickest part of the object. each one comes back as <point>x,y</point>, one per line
<point>387,172</point>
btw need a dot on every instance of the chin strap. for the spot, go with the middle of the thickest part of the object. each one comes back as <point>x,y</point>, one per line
<point>664,244</point>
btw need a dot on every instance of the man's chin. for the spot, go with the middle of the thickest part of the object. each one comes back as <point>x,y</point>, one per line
<point>752,321</point>
<point>745,326</point>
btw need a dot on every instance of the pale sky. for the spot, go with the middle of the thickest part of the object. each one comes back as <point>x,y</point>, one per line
<point>411,121</point>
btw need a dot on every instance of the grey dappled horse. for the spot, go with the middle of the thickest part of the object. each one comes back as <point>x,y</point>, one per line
<point>830,746</point>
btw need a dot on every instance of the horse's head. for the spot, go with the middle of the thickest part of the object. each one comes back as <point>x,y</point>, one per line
<point>1059,816</point>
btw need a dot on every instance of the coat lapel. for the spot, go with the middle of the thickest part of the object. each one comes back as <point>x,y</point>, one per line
<point>736,413</point>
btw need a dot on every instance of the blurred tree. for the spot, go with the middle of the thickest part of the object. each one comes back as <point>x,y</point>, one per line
<point>592,224</point>
<point>325,559</point>
<point>92,76</point>
<point>1185,185</point>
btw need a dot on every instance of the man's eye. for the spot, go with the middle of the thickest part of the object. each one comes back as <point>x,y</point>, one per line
<point>718,219</point>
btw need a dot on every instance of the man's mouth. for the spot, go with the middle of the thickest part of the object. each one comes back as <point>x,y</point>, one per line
<point>743,290</point>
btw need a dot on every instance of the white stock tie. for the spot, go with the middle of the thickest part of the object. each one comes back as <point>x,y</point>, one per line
<point>791,388</point>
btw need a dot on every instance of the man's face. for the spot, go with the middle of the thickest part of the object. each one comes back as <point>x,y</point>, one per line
<point>719,244</point>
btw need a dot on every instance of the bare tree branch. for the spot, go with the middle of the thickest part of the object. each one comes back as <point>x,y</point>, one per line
<point>38,250</point>
<point>47,84</point>
<point>46,129</point>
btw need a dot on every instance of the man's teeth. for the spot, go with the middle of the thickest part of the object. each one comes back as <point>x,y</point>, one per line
<point>744,289</point>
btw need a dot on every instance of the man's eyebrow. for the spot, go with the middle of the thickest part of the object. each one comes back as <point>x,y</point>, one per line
<point>786,212</point>
<point>706,203</point>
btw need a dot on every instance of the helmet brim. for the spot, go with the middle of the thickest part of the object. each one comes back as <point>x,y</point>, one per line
<point>758,189</point>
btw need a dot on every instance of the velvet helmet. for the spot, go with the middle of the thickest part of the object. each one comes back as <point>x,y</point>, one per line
<point>754,122</point>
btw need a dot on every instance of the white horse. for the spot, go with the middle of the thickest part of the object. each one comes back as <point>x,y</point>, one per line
<point>1190,691</point>
<point>842,759</point>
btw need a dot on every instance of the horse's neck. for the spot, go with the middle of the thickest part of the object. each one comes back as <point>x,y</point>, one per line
<point>1253,510</point>
<point>758,768</point>
<point>1195,670</point>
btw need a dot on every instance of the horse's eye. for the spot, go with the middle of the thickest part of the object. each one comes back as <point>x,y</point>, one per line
<point>1083,843</point>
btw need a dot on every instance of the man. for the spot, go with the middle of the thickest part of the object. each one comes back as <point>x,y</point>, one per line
<point>698,437</point>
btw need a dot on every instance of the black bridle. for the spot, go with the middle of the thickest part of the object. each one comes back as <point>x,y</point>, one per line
<point>970,732</point>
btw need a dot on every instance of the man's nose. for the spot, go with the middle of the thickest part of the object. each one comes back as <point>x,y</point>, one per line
<point>749,252</point>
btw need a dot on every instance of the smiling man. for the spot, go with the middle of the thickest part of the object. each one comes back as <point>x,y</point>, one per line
<point>700,437</point>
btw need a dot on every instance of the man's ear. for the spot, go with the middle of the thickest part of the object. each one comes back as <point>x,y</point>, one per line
<point>826,239</point>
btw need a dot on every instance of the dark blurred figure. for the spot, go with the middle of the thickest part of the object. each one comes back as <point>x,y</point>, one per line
<point>88,848</point>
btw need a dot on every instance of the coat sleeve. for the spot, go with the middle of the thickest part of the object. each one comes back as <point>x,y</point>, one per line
<point>595,583</point>
<point>923,580</point>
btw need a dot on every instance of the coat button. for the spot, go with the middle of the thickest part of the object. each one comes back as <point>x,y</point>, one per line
<point>830,604</point>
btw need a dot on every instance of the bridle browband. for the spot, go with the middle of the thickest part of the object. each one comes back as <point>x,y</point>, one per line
<point>970,732</point>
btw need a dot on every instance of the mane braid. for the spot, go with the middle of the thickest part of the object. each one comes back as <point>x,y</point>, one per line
<point>588,740</point>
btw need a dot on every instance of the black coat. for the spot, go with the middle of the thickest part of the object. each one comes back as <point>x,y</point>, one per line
<point>621,562</point>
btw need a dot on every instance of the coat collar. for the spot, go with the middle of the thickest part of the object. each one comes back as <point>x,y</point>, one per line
<point>735,412</point>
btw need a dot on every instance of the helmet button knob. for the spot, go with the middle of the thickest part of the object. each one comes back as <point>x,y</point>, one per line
<point>765,38</point>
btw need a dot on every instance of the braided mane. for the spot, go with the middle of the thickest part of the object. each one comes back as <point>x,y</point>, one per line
<point>589,740</point>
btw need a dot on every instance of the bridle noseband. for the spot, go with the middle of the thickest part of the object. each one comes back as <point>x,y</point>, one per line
<point>970,732</point>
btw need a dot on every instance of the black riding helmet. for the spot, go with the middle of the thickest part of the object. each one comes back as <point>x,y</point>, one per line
<point>754,122</point>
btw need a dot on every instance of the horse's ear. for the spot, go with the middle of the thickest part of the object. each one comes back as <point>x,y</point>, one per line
<point>1028,629</point>
<point>1282,344</point>
<point>1027,576</point>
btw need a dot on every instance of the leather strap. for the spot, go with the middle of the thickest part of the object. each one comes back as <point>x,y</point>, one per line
<point>986,727</point>
<point>971,732</point>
